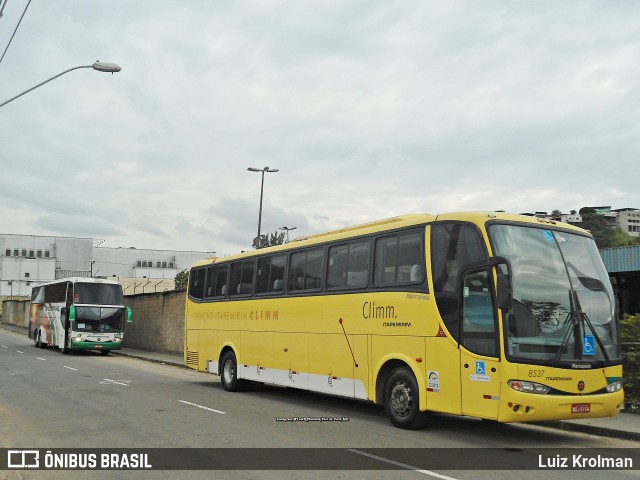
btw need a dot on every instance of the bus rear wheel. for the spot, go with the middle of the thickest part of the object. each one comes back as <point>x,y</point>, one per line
<point>229,373</point>
<point>39,343</point>
<point>402,400</point>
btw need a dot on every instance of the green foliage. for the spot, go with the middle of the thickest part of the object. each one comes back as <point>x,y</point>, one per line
<point>180,280</point>
<point>269,240</point>
<point>630,337</point>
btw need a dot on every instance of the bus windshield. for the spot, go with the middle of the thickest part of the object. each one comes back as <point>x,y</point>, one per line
<point>99,319</point>
<point>563,308</point>
<point>97,294</point>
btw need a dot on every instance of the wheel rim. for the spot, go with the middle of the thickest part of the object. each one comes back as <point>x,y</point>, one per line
<point>227,372</point>
<point>401,399</point>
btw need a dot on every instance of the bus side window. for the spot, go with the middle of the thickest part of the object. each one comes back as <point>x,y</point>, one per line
<point>196,283</point>
<point>453,247</point>
<point>399,259</point>
<point>478,314</point>
<point>242,278</point>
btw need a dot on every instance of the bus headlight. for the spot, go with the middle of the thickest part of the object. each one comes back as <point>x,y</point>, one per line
<point>118,339</point>
<point>528,387</point>
<point>614,387</point>
<point>77,339</point>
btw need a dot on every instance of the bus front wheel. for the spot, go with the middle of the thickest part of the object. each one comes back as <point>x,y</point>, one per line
<point>401,400</point>
<point>229,373</point>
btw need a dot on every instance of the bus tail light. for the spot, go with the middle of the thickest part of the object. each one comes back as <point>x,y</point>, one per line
<point>528,387</point>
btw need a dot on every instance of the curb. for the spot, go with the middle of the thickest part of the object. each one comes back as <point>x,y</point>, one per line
<point>591,429</point>
<point>148,359</point>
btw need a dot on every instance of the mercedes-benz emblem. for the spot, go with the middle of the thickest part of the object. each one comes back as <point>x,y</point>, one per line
<point>581,385</point>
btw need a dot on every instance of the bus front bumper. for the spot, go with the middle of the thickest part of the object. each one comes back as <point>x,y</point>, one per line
<point>530,407</point>
<point>75,345</point>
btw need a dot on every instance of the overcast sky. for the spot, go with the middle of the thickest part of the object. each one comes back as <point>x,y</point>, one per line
<point>370,109</point>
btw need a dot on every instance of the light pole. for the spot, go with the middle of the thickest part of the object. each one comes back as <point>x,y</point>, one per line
<point>99,66</point>
<point>287,230</point>
<point>263,170</point>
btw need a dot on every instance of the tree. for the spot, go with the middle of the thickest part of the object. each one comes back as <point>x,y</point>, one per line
<point>180,280</point>
<point>269,240</point>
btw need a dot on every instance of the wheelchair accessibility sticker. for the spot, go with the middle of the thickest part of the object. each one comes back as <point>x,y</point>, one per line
<point>481,373</point>
<point>589,345</point>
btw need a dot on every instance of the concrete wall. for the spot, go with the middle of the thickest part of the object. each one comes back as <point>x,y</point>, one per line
<point>16,312</point>
<point>158,320</point>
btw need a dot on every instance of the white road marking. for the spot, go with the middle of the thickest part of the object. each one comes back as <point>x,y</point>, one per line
<point>403,465</point>
<point>19,351</point>
<point>3,346</point>
<point>124,383</point>
<point>204,408</point>
<point>43,359</point>
<point>71,368</point>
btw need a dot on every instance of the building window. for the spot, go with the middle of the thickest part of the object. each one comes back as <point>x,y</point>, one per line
<point>139,263</point>
<point>46,254</point>
<point>144,264</point>
<point>8,252</point>
<point>158,264</point>
<point>26,274</point>
<point>32,254</point>
<point>24,252</point>
<point>164,264</point>
<point>16,253</point>
<point>39,253</point>
<point>170,264</point>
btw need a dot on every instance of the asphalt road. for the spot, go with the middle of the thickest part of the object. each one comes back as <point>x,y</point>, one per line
<point>86,400</point>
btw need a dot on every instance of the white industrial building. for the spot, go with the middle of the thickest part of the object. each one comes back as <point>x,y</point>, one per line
<point>26,260</point>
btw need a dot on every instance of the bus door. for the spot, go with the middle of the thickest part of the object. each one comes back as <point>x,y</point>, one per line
<point>479,346</point>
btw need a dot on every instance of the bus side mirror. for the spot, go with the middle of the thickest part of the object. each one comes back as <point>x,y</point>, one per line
<point>72,313</point>
<point>504,283</point>
<point>129,315</point>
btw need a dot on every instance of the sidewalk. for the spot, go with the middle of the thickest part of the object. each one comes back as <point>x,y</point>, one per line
<point>624,426</point>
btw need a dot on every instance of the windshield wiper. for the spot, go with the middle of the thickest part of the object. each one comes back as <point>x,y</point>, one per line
<point>576,320</point>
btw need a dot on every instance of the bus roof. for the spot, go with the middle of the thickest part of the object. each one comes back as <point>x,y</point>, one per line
<point>392,223</point>
<point>79,280</point>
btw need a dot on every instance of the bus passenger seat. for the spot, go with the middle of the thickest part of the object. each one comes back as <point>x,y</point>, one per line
<point>415,274</point>
<point>278,285</point>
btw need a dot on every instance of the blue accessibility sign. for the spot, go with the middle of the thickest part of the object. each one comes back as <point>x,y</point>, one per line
<point>480,368</point>
<point>589,345</point>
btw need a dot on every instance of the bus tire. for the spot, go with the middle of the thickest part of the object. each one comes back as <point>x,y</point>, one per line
<point>39,343</point>
<point>104,352</point>
<point>229,373</point>
<point>402,400</point>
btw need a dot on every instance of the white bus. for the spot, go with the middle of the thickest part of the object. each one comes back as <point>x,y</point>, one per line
<point>78,314</point>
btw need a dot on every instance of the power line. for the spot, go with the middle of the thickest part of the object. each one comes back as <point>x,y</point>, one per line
<point>16,29</point>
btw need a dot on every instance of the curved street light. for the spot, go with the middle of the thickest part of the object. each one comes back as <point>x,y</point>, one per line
<point>99,66</point>
<point>263,170</point>
<point>287,229</point>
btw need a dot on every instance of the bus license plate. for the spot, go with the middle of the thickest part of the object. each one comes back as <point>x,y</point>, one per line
<point>581,408</point>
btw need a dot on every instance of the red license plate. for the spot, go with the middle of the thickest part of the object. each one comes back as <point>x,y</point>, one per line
<point>581,408</point>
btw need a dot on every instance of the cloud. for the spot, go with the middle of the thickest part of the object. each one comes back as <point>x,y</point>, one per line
<point>369,110</point>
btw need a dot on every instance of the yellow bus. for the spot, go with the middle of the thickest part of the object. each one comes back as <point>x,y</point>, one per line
<point>491,315</point>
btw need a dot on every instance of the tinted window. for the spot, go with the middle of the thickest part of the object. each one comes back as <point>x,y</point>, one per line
<point>454,247</point>
<point>305,272</point>
<point>216,283</point>
<point>399,259</point>
<point>55,293</point>
<point>241,278</point>
<point>270,275</point>
<point>348,265</point>
<point>196,283</point>
<point>97,294</point>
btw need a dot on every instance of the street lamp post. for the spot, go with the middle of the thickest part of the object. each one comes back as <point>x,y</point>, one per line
<point>287,230</point>
<point>99,66</point>
<point>263,170</point>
